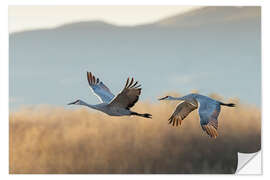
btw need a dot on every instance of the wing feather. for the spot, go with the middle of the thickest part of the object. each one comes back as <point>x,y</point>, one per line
<point>181,111</point>
<point>130,82</point>
<point>99,89</point>
<point>128,96</point>
<point>134,84</point>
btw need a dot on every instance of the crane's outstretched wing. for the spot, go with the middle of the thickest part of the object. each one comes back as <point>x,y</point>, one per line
<point>181,111</point>
<point>128,96</point>
<point>99,89</point>
<point>209,119</point>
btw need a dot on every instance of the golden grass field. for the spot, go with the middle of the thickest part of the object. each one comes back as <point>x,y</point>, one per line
<point>46,139</point>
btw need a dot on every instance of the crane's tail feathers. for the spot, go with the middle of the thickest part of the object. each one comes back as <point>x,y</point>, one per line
<point>145,115</point>
<point>229,104</point>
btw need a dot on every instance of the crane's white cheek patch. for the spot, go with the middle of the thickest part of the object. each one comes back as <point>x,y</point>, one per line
<point>249,163</point>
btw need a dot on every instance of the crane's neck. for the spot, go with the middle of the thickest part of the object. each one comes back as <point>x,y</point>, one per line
<point>88,105</point>
<point>175,98</point>
<point>192,99</point>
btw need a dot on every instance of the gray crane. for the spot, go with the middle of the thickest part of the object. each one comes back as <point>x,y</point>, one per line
<point>208,110</point>
<point>114,105</point>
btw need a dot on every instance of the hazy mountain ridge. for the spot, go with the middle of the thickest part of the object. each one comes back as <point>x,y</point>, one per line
<point>229,13</point>
<point>210,55</point>
<point>208,15</point>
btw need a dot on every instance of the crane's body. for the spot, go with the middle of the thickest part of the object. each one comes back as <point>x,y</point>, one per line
<point>114,105</point>
<point>208,110</point>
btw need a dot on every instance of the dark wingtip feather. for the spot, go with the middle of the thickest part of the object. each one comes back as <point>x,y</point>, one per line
<point>94,79</point>
<point>89,77</point>
<point>127,82</point>
<point>170,120</point>
<point>134,84</point>
<point>132,79</point>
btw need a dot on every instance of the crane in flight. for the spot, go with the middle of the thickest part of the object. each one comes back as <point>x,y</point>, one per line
<point>208,110</point>
<point>111,105</point>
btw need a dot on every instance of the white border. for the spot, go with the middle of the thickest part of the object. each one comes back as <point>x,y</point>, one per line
<point>138,2</point>
<point>4,77</point>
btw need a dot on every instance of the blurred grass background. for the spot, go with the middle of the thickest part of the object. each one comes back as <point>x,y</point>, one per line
<point>46,139</point>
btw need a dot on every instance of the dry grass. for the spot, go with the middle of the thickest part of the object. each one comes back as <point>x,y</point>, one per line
<point>60,140</point>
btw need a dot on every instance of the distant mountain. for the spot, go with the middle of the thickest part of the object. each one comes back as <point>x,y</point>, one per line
<point>212,15</point>
<point>212,49</point>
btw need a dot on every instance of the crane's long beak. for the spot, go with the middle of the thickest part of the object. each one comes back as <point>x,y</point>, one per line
<point>163,98</point>
<point>72,102</point>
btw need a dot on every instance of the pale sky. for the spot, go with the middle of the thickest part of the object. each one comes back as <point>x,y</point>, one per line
<point>34,17</point>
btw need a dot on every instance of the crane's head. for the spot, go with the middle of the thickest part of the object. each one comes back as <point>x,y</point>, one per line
<point>166,98</point>
<point>77,102</point>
